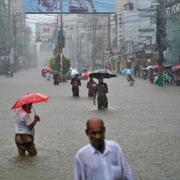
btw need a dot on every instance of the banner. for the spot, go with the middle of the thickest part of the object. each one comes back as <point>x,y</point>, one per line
<point>69,6</point>
<point>44,33</point>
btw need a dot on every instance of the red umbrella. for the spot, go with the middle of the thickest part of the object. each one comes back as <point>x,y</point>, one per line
<point>175,68</point>
<point>30,98</point>
<point>85,75</point>
<point>46,69</point>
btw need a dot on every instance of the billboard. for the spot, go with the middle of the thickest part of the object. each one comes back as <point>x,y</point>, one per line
<point>44,33</point>
<point>69,6</point>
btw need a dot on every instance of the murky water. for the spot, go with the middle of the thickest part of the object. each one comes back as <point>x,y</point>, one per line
<point>44,166</point>
<point>144,119</point>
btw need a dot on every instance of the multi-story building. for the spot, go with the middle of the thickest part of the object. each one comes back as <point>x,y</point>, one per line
<point>4,27</point>
<point>21,36</point>
<point>44,39</point>
<point>173,31</point>
<point>128,24</point>
<point>4,34</point>
<point>14,35</point>
<point>136,32</point>
<point>87,38</point>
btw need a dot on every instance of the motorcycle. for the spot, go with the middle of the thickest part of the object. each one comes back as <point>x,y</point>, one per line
<point>130,80</point>
<point>10,73</point>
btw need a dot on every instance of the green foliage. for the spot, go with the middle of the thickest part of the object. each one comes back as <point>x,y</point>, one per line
<point>54,64</point>
<point>66,64</point>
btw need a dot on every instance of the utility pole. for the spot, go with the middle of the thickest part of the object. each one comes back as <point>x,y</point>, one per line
<point>109,34</point>
<point>109,39</point>
<point>62,39</point>
<point>102,49</point>
<point>9,14</point>
<point>77,45</point>
<point>93,43</point>
<point>160,36</point>
<point>14,41</point>
<point>60,44</point>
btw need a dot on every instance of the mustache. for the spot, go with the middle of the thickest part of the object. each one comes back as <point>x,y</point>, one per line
<point>99,143</point>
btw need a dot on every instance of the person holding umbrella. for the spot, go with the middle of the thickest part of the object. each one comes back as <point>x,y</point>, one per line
<point>130,80</point>
<point>24,130</point>
<point>75,82</point>
<point>24,124</point>
<point>129,73</point>
<point>91,85</point>
<point>100,91</point>
<point>56,77</point>
<point>101,88</point>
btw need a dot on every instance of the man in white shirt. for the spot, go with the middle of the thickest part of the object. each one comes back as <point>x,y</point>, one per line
<point>24,130</point>
<point>81,6</point>
<point>101,159</point>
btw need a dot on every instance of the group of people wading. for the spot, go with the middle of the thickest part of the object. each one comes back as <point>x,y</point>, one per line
<point>98,90</point>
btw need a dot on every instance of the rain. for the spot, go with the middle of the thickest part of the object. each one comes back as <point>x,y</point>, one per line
<point>50,50</point>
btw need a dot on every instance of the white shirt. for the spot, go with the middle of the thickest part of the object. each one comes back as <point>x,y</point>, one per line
<point>90,164</point>
<point>23,119</point>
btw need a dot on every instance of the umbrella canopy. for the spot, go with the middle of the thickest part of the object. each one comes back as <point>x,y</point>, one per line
<point>167,66</point>
<point>86,74</point>
<point>46,69</point>
<point>102,73</point>
<point>175,68</point>
<point>74,72</point>
<point>151,67</point>
<point>143,69</point>
<point>30,98</point>
<point>127,71</point>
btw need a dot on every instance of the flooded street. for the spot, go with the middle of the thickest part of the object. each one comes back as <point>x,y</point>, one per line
<point>137,39</point>
<point>144,119</point>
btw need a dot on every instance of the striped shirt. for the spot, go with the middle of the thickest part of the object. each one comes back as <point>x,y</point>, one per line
<point>90,164</point>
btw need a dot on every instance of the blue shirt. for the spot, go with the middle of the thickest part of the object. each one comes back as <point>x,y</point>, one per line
<point>91,164</point>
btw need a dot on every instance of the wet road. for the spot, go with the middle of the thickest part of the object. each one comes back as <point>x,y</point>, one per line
<point>144,119</point>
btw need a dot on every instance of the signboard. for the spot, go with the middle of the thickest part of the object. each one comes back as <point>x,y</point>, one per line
<point>44,32</point>
<point>69,6</point>
<point>173,9</point>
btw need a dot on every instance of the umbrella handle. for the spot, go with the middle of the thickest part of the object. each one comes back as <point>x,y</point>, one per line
<point>33,110</point>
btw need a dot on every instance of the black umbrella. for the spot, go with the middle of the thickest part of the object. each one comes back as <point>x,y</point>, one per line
<point>102,73</point>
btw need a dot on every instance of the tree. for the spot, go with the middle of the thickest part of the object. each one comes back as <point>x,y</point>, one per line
<point>54,64</point>
<point>66,64</point>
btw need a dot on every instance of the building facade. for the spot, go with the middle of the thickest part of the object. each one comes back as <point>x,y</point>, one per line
<point>15,36</point>
<point>173,31</point>
<point>136,32</point>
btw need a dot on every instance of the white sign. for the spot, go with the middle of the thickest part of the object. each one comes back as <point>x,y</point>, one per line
<point>173,9</point>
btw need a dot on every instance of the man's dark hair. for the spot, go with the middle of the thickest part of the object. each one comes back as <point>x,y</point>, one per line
<point>24,106</point>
